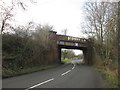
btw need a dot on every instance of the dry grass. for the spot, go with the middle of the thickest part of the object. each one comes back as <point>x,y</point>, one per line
<point>112,77</point>
<point>110,71</point>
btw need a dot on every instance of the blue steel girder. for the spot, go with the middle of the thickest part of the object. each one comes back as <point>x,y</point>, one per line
<point>72,43</point>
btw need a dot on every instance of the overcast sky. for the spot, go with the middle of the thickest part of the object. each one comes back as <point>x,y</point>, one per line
<point>62,14</point>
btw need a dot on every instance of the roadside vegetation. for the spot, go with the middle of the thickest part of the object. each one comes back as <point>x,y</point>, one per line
<point>102,28</point>
<point>27,46</point>
<point>25,70</point>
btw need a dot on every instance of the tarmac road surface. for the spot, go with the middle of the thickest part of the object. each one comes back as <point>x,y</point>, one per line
<point>70,75</point>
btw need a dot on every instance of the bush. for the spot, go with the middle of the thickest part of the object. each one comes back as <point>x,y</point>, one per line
<point>25,48</point>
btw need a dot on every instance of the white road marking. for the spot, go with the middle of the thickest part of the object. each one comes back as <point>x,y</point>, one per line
<point>66,72</point>
<point>49,80</point>
<point>40,84</point>
<point>73,66</point>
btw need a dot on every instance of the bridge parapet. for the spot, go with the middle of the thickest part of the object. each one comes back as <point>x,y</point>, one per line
<point>66,43</point>
<point>70,38</point>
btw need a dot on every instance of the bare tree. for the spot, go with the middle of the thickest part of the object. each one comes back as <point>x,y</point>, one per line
<point>101,24</point>
<point>69,54</point>
<point>64,31</point>
<point>41,34</point>
<point>7,11</point>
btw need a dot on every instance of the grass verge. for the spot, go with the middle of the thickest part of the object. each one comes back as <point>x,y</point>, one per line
<point>10,73</point>
<point>65,60</point>
<point>110,76</point>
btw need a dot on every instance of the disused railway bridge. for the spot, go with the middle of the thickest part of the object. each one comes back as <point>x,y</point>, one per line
<point>68,42</point>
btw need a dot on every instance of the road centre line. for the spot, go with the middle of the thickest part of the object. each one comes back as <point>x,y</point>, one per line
<point>40,84</point>
<point>73,66</point>
<point>48,80</point>
<point>66,72</point>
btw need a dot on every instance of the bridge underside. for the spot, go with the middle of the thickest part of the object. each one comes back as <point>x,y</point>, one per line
<point>72,47</point>
<point>86,52</point>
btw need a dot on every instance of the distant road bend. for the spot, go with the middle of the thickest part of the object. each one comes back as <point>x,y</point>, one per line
<point>69,75</point>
